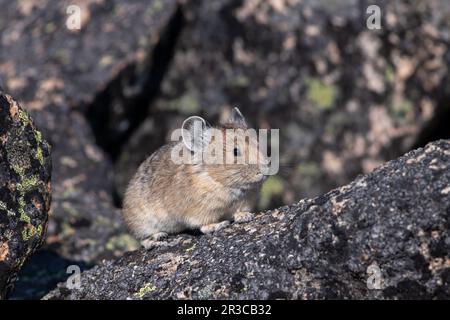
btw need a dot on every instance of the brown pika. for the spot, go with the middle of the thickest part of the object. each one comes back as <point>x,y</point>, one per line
<point>205,190</point>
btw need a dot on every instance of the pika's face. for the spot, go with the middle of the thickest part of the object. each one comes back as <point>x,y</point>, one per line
<point>231,154</point>
<point>235,159</point>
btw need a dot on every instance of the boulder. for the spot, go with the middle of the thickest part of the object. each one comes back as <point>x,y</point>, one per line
<point>25,191</point>
<point>386,235</point>
<point>83,87</point>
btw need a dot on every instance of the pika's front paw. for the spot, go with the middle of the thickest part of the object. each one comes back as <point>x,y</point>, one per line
<point>155,240</point>
<point>243,216</point>
<point>210,228</point>
<point>160,236</point>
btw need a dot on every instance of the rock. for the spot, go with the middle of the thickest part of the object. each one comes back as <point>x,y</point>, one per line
<point>25,191</point>
<point>386,235</point>
<point>83,88</point>
<point>70,80</point>
<point>345,98</point>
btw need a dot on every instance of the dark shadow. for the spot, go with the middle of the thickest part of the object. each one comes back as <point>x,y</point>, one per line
<point>438,127</point>
<point>41,273</point>
<point>132,90</point>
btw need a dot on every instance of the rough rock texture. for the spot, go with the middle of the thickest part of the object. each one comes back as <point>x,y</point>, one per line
<point>25,191</point>
<point>346,98</point>
<point>72,81</point>
<point>62,75</point>
<point>396,218</point>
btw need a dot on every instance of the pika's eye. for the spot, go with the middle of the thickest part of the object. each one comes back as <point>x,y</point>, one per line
<point>236,152</point>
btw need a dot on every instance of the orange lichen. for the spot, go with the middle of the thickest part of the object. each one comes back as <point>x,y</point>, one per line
<point>4,250</point>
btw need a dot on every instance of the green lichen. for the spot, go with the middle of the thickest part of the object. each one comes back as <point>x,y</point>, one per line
<point>122,242</point>
<point>103,221</point>
<point>27,183</point>
<point>28,232</point>
<point>389,73</point>
<point>67,230</point>
<point>156,6</point>
<point>50,27</point>
<point>308,169</point>
<point>239,81</point>
<point>18,157</point>
<point>38,136</point>
<point>40,230</point>
<point>323,96</point>
<point>39,156</point>
<point>23,216</point>
<point>187,103</point>
<point>148,287</point>
<point>191,248</point>
<point>23,116</point>
<point>18,169</point>
<point>25,235</point>
<point>271,188</point>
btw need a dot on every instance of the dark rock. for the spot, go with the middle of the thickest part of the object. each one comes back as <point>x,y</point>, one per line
<point>395,221</point>
<point>346,98</point>
<point>41,273</point>
<point>72,81</point>
<point>25,191</point>
<point>62,75</point>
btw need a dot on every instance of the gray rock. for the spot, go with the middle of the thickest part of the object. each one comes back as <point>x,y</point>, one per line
<point>25,191</point>
<point>80,86</point>
<point>63,75</point>
<point>392,224</point>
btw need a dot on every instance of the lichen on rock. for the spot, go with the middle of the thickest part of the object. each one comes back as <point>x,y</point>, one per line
<point>25,191</point>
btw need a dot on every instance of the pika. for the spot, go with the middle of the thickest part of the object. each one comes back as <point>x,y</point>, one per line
<point>166,197</point>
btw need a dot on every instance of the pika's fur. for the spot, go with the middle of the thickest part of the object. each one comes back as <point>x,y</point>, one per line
<point>164,197</point>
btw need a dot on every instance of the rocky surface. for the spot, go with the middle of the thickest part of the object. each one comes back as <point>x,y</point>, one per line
<point>67,78</point>
<point>25,190</point>
<point>80,86</point>
<point>346,98</point>
<point>395,220</point>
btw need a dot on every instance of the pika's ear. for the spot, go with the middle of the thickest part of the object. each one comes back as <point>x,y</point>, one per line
<point>196,134</point>
<point>237,118</point>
